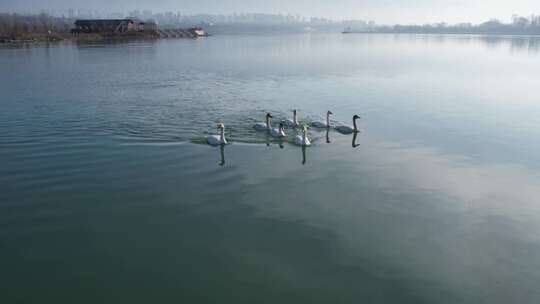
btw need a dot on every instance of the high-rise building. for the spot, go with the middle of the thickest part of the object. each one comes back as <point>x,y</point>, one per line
<point>147,14</point>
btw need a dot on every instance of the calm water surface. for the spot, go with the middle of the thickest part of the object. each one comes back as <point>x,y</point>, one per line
<point>109,194</point>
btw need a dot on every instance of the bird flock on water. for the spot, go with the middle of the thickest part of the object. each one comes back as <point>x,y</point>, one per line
<point>301,139</point>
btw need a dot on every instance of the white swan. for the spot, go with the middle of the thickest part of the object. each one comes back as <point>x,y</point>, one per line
<point>302,139</point>
<point>266,126</point>
<point>323,124</point>
<point>278,132</point>
<point>294,122</point>
<point>217,139</point>
<point>349,129</point>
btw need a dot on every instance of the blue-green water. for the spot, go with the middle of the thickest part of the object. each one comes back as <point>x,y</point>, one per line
<point>109,194</point>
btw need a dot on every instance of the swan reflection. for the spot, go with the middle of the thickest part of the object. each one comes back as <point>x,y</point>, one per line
<point>354,144</point>
<point>270,140</point>
<point>328,135</point>
<point>267,139</point>
<point>222,155</point>
<point>303,155</point>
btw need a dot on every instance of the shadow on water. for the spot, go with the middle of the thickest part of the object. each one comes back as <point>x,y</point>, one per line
<point>303,155</point>
<point>103,42</point>
<point>512,43</point>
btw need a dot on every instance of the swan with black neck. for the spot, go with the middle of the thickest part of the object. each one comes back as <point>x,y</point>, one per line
<point>323,124</point>
<point>264,126</point>
<point>349,129</point>
<point>293,123</point>
<point>278,132</point>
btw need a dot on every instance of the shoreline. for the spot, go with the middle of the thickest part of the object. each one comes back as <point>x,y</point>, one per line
<point>112,37</point>
<point>55,38</point>
<point>36,38</point>
<point>445,33</point>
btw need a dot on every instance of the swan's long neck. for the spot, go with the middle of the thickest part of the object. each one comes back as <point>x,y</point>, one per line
<point>295,119</point>
<point>327,119</point>
<point>354,124</point>
<point>304,136</point>
<point>267,122</point>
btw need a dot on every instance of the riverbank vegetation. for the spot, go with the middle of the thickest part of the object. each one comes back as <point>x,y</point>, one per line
<point>42,27</point>
<point>518,26</point>
<point>15,28</point>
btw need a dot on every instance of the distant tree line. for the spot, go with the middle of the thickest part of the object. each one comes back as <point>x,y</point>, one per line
<point>15,26</point>
<point>519,25</point>
<point>43,26</point>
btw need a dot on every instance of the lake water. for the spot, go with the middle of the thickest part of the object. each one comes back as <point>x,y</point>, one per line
<point>109,193</point>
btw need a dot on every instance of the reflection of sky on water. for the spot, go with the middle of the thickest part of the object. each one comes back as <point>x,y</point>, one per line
<point>440,196</point>
<point>506,190</point>
<point>434,216</point>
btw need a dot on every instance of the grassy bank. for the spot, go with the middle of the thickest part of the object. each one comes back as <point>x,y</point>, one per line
<point>46,38</point>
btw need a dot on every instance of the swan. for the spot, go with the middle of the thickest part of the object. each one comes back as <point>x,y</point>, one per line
<point>349,129</point>
<point>322,124</point>
<point>278,132</point>
<point>217,139</point>
<point>294,122</point>
<point>302,139</point>
<point>260,126</point>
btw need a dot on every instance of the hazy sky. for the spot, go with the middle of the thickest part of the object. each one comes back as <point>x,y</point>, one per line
<point>383,11</point>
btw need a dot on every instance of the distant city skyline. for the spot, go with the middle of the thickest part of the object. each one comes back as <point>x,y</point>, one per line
<point>387,12</point>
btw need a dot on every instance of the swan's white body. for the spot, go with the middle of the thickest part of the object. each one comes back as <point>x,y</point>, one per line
<point>348,129</point>
<point>217,139</point>
<point>292,122</point>
<point>322,124</point>
<point>278,132</point>
<point>261,126</point>
<point>302,139</point>
<point>345,129</point>
<point>319,124</point>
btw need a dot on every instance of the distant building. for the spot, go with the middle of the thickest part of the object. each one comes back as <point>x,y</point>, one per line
<point>147,26</point>
<point>147,15</point>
